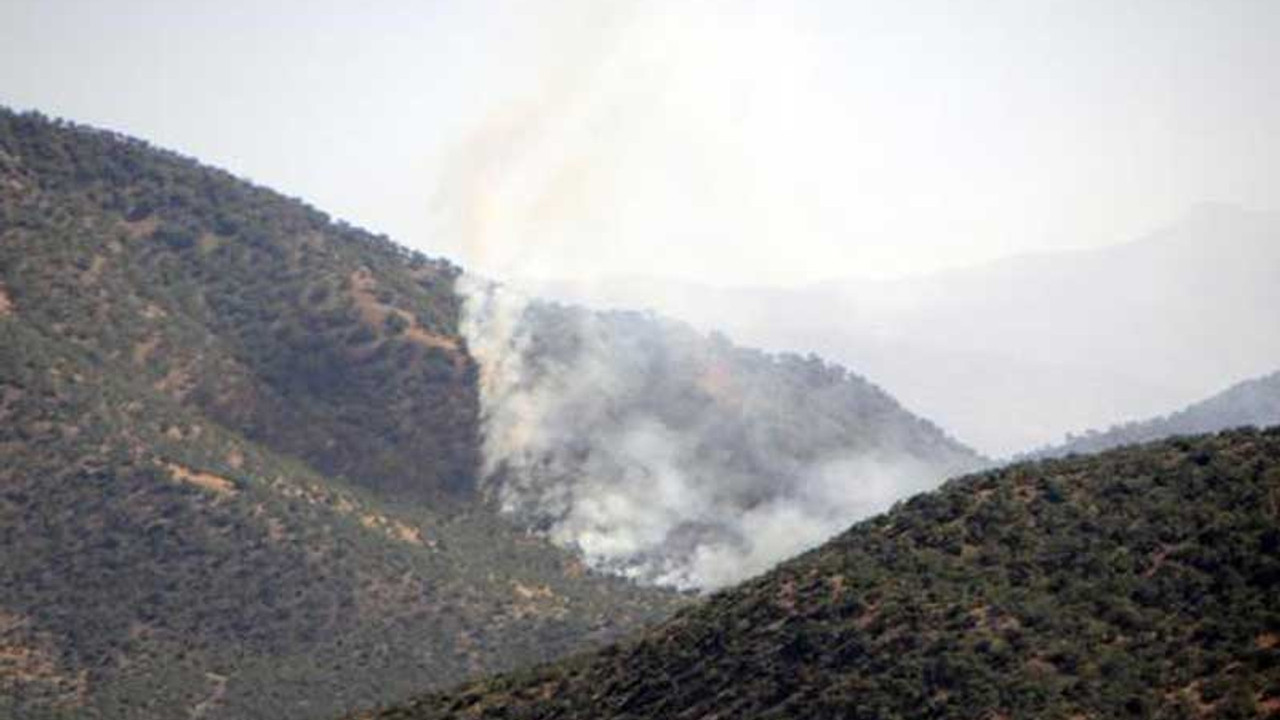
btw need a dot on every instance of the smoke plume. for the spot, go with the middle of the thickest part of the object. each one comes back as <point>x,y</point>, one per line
<point>676,458</point>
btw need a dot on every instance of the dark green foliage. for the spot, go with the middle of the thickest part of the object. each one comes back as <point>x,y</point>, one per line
<point>1138,583</point>
<point>264,285</point>
<point>231,485</point>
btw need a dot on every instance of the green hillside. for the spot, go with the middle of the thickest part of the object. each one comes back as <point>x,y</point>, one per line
<point>1137,583</point>
<point>238,446</point>
<point>242,450</point>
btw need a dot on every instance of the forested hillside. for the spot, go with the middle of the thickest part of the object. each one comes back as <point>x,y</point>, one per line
<point>239,442</point>
<point>246,471</point>
<point>1137,583</point>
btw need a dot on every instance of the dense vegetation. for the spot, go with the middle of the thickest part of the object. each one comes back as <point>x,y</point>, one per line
<point>1253,403</point>
<point>314,338</point>
<point>241,446</point>
<point>1137,583</point>
<point>237,444</point>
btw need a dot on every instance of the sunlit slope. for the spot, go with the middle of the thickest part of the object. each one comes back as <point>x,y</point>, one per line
<point>1136,583</point>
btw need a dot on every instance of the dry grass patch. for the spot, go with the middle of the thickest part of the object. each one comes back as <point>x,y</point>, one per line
<point>138,229</point>
<point>94,272</point>
<point>28,663</point>
<point>374,313</point>
<point>394,529</point>
<point>142,351</point>
<point>204,480</point>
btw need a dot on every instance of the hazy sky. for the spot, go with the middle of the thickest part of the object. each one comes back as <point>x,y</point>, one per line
<point>732,142</point>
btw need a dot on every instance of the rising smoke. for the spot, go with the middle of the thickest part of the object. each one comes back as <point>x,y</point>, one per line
<point>657,452</point>
<point>674,458</point>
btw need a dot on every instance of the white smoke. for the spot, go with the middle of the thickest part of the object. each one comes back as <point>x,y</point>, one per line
<point>832,495</point>
<point>579,445</point>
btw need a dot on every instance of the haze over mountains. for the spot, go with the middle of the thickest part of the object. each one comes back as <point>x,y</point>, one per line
<point>1252,403</point>
<point>1014,354</point>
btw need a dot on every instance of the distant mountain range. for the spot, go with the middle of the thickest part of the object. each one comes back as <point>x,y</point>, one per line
<point>1136,583</point>
<point>1013,354</point>
<point>1254,403</point>
<point>250,462</point>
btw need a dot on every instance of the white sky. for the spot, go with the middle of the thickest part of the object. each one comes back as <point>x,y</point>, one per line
<point>728,142</point>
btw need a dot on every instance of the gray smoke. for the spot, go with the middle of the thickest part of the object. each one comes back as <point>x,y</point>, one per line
<point>675,458</point>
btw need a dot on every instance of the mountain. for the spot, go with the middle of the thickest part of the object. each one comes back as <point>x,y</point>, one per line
<point>1253,403</point>
<point>239,450</point>
<point>258,463</point>
<point>1136,583</point>
<point>1057,341</point>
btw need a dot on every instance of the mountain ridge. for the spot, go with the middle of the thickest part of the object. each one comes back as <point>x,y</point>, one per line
<point>1250,403</point>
